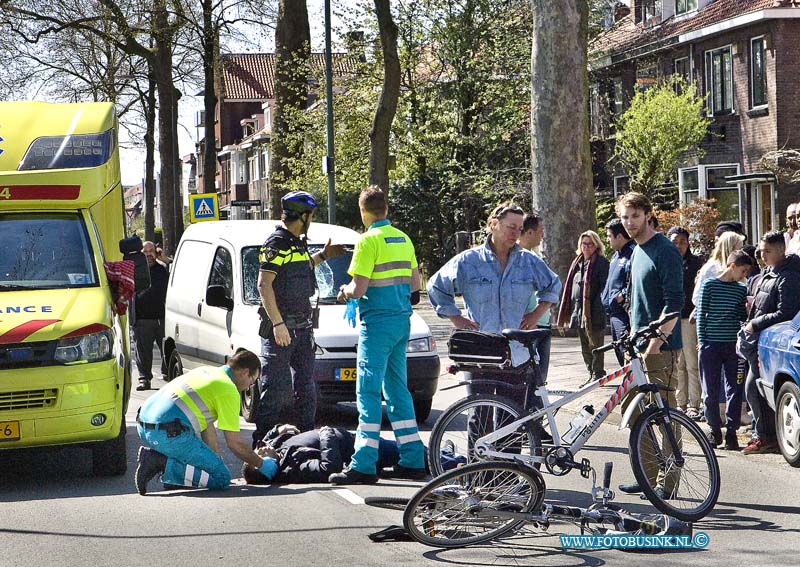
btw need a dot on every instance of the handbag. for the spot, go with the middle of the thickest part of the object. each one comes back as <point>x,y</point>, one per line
<point>479,348</point>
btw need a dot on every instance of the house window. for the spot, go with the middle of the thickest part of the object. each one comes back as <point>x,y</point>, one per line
<point>685,6</point>
<point>680,68</point>
<point>251,166</point>
<point>651,9</point>
<point>719,81</point>
<point>594,111</point>
<point>619,97</point>
<point>262,163</point>
<point>621,185</point>
<point>758,72</point>
<point>689,185</point>
<point>708,182</point>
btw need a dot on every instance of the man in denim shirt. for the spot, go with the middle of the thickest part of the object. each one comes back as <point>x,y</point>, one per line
<point>496,281</point>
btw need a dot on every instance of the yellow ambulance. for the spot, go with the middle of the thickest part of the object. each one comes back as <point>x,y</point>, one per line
<point>64,359</point>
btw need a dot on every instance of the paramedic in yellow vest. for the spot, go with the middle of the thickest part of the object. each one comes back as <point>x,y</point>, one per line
<point>177,427</point>
<point>386,283</point>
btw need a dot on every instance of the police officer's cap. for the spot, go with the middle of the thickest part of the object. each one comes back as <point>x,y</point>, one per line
<point>298,202</point>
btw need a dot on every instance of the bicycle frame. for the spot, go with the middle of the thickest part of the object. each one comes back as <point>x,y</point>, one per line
<point>633,375</point>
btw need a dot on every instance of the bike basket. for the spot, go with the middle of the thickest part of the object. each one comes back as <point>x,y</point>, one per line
<point>478,349</point>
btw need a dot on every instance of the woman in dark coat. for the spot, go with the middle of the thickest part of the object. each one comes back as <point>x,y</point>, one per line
<point>581,307</point>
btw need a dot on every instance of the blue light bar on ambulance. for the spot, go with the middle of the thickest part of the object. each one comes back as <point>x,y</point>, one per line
<point>69,152</point>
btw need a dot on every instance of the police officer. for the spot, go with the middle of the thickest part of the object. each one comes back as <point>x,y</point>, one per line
<point>386,281</point>
<point>177,427</point>
<point>285,283</point>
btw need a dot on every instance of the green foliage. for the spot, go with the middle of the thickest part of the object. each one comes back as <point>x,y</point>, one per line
<point>662,123</point>
<point>604,213</point>
<point>461,135</point>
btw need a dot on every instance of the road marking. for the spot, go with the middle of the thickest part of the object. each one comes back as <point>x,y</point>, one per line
<point>349,495</point>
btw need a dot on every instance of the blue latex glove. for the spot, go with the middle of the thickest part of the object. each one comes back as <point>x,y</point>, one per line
<point>350,311</point>
<point>269,467</point>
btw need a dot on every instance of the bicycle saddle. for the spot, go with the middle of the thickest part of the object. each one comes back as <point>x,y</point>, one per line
<point>525,337</point>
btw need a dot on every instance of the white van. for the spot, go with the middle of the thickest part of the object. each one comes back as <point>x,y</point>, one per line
<point>207,328</point>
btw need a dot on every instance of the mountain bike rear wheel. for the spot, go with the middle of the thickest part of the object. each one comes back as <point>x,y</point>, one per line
<point>455,432</point>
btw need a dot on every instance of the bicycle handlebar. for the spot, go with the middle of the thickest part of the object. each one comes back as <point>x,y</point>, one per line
<point>647,332</point>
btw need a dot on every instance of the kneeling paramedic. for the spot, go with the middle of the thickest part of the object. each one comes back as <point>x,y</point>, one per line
<point>386,281</point>
<point>177,427</point>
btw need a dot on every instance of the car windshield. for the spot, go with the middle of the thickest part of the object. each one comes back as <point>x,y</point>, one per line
<point>330,275</point>
<point>45,251</point>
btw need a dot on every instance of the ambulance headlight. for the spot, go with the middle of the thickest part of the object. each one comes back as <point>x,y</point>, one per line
<point>419,345</point>
<point>85,348</point>
<point>66,152</point>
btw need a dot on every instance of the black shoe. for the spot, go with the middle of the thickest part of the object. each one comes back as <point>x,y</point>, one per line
<point>715,438</point>
<point>630,488</point>
<point>143,385</point>
<point>732,443</point>
<point>449,448</point>
<point>352,476</point>
<point>406,473</point>
<point>151,463</point>
<point>661,493</point>
<point>545,437</point>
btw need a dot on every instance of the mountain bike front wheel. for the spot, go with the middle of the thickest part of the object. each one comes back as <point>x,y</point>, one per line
<point>686,490</point>
<point>465,506</point>
<point>454,434</point>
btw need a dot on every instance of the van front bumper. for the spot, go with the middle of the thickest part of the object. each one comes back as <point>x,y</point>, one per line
<point>423,378</point>
<point>65,404</point>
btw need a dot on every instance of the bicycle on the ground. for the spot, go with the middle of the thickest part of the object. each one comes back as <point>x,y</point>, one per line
<point>484,501</point>
<point>674,464</point>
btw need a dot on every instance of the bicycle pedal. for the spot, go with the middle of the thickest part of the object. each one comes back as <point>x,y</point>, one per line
<point>586,468</point>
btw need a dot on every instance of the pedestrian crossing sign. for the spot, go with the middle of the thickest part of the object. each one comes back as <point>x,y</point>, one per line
<point>203,207</point>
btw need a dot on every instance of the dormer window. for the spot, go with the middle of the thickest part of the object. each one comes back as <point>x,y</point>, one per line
<point>651,9</point>
<point>685,6</point>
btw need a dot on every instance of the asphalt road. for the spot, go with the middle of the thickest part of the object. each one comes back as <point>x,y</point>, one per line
<point>55,513</point>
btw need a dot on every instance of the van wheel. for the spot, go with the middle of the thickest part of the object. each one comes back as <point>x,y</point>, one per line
<point>110,458</point>
<point>422,409</point>
<point>175,366</point>
<point>250,399</point>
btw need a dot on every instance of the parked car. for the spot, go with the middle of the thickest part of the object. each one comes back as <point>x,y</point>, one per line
<point>779,356</point>
<point>212,309</point>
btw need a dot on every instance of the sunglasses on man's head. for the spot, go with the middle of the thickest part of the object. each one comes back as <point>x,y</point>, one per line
<point>501,211</point>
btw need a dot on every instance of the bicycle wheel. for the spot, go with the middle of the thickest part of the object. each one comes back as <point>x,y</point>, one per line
<point>688,491</point>
<point>465,506</point>
<point>455,432</point>
<point>387,502</point>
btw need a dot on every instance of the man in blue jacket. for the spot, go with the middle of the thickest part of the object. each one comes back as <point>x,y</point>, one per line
<point>615,294</point>
<point>496,281</point>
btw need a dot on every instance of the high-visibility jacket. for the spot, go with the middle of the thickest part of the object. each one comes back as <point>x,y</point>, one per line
<point>386,256</point>
<point>205,395</point>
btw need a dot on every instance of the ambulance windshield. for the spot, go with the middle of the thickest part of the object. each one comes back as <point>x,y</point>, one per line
<point>45,251</point>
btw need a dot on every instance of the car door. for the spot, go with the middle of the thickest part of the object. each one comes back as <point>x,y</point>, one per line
<point>215,342</point>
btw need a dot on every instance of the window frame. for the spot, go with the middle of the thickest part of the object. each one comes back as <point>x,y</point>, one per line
<point>687,9</point>
<point>710,84</point>
<point>765,103</point>
<point>703,192</point>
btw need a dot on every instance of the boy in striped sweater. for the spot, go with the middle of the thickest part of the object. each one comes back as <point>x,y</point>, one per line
<point>720,313</point>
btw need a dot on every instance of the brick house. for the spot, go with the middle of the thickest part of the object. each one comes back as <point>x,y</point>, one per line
<point>745,56</point>
<point>243,125</point>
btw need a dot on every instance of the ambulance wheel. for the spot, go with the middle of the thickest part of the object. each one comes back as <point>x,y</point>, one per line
<point>422,409</point>
<point>175,366</point>
<point>110,458</point>
<point>249,405</point>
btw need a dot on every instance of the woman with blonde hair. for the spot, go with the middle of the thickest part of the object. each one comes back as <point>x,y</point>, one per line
<point>727,243</point>
<point>581,307</point>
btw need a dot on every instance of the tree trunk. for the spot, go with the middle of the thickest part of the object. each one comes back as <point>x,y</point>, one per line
<point>210,43</point>
<point>387,105</point>
<point>166,121</point>
<point>149,160</point>
<point>292,53</point>
<point>560,156</point>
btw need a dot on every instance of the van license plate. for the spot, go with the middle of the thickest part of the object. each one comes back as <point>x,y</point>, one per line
<point>346,374</point>
<point>9,430</point>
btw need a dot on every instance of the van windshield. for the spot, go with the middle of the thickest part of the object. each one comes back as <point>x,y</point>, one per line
<point>330,275</point>
<point>45,251</point>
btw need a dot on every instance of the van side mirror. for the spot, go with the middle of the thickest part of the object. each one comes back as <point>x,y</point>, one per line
<point>216,297</point>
